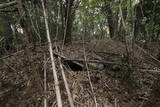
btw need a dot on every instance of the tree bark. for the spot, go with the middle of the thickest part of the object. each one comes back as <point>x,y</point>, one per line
<point>68,22</point>
<point>110,22</point>
<point>87,35</point>
<point>62,16</point>
<point>23,23</point>
<point>110,19</point>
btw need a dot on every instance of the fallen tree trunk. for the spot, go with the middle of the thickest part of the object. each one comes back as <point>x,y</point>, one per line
<point>79,64</point>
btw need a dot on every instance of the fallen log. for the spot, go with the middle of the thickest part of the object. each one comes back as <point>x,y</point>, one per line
<point>80,64</point>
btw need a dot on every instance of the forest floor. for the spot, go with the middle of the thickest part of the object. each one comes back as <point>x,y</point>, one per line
<point>21,80</point>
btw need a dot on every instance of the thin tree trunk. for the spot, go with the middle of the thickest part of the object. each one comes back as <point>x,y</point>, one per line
<point>87,34</point>
<point>62,16</point>
<point>110,22</point>
<point>110,19</point>
<point>68,22</point>
<point>58,95</point>
<point>23,23</point>
<point>129,32</point>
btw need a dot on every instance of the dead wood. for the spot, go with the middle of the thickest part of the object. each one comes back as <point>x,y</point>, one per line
<point>79,64</point>
<point>93,61</point>
<point>5,5</point>
<point>154,60</point>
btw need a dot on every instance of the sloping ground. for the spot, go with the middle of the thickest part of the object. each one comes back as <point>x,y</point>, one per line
<point>21,81</point>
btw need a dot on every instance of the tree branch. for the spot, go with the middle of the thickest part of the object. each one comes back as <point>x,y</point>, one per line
<point>5,5</point>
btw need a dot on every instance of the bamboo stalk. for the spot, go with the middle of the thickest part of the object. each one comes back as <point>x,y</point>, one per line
<point>58,95</point>
<point>45,81</point>
<point>62,70</point>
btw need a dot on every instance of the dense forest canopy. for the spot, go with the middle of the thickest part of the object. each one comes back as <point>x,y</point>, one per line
<point>87,18</point>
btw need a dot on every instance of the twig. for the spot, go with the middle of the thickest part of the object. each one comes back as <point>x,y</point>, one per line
<point>155,59</point>
<point>82,105</point>
<point>90,82</point>
<point>149,70</point>
<point>9,66</point>
<point>33,26</point>
<point>1,39</point>
<point>15,53</point>
<point>58,95</point>
<point>5,5</point>
<point>4,57</point>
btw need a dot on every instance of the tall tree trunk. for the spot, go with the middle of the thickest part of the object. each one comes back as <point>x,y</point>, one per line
<point>87,35</point>
<point>23,23</point>
<point>68,22</point>
<point>62,16</point>
<point>109,18</point>
<point>129,31</point>
<point>129,37</point>
<point>110,22</point>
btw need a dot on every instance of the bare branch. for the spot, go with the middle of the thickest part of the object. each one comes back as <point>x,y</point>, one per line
<point>5,5</point>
